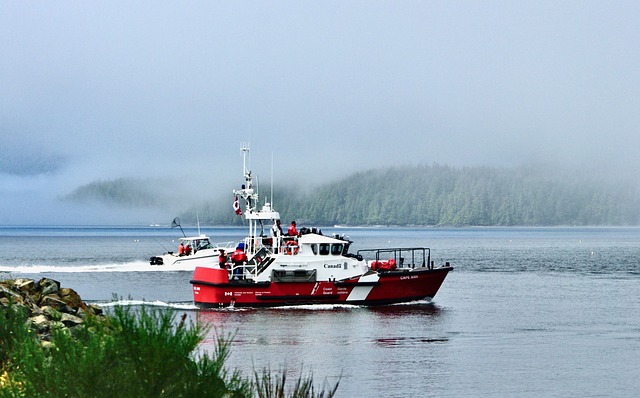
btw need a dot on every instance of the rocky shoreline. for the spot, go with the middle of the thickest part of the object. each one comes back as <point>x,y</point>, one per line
<point>48,305</point>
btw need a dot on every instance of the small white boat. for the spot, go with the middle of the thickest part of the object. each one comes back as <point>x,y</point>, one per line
<point>192,251</point>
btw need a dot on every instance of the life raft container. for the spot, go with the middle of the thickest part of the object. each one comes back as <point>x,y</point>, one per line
<point>383,266</point>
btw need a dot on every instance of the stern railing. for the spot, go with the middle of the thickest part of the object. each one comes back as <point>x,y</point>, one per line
<point>404,257</point>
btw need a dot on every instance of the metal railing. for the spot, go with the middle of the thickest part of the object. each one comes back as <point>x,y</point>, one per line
<point>404,257</point>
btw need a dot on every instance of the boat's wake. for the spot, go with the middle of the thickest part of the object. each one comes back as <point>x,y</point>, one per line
<point>314,307</point>
<point>138,266</point>
<point>136,303</point>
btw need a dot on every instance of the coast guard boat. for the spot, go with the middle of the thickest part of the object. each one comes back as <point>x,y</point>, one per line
<point>310,268</point>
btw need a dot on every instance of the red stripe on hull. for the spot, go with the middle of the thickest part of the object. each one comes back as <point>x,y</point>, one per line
<point>392,287</point>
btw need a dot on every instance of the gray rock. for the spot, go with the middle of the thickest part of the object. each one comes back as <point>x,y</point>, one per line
<point>40,322</point>
<point>48,286</point>
<point>5,292</point>
<point>55,302</point>
<point>25,285</point>
<point>72,298</point>
<point>70,320</point>
<point>51,313</point>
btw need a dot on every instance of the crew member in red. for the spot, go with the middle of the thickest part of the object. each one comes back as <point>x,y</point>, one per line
<point>222,259</point>
<point>187,250</point>
<point>292,231</point>
<point>181,249</point>
<point>239,257</point>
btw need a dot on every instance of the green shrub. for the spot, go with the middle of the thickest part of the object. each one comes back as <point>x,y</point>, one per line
<point>268,386</point>
<point>143,353</point>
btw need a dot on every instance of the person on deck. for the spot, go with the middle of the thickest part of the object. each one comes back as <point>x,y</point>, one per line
<point>276,236</point>
<point>239,257</point>
<point>222,259</point>
<point>181,249</point>
<point>276,230</point>
<point>292,231</point>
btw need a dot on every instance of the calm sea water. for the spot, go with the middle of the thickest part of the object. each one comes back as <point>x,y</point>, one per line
<point>551,312</point>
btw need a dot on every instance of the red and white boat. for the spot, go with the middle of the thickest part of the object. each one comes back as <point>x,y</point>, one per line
<point>311,268</point>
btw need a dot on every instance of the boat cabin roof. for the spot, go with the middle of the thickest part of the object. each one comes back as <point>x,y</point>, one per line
<point>194,238</point>
<point>316,238</point>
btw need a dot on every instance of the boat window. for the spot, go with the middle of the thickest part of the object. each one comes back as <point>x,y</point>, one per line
<point>336,249</point>
<point>314,249</point>
<point>324,249</point>
<point>200,244</point>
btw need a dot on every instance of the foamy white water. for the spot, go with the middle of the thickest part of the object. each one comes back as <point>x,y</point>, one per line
<point>136,266</point>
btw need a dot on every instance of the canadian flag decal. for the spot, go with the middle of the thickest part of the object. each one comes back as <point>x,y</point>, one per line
<point>236,206</point>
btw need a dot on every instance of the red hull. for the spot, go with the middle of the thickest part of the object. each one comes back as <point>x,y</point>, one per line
<point>212,289</point>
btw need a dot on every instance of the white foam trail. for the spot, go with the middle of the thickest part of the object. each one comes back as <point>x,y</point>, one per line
<point>138,266</point>
<point>315,307</point>
<point>324,307</point>
<point>157,303</point>
<point>417,302</point>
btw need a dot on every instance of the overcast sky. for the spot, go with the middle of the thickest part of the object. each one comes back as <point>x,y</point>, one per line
<point>99,90</point>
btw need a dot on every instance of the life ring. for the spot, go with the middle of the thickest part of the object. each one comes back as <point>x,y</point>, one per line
<point>291,248</point>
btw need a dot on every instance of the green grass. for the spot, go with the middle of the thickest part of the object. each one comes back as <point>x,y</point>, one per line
<point>141,353</point>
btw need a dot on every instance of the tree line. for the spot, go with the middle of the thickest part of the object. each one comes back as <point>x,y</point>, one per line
<point>443,195</point>
<point>127,192</point>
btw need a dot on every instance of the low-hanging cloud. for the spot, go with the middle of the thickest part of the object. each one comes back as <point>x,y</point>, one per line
<point>320,90</point>
<point>29,162</point>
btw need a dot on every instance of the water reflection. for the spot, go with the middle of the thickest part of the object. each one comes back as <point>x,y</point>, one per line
<point>417,308</point>
<point>223,316</point>
<point>406,341</point>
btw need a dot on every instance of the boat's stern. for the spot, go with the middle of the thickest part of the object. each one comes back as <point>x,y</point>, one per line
<point>206,284</point>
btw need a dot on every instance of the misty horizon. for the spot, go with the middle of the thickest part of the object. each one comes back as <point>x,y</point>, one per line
<point>167,92</point>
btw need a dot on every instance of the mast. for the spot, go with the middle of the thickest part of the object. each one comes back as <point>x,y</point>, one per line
<point>244,148</point>
<point>271,177</point>
<point>247,192</point>
<point>253,214</point>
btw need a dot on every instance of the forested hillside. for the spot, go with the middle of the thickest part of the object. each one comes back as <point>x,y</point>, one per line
<point>443,195</point>
<point>119,192</point>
